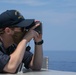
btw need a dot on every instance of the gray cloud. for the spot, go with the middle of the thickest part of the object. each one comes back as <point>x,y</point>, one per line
<point>28,2</point>
<point>54,18</point>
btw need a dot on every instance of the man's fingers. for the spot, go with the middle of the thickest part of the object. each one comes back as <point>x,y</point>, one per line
<point>35,26</point>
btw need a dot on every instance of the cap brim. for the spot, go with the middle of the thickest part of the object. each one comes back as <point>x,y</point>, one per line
<point>26,23</point>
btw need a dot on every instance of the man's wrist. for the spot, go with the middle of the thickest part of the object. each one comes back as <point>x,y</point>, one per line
<point>39,43</point>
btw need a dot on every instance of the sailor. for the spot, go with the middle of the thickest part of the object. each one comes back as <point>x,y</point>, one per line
<point>13,43</point>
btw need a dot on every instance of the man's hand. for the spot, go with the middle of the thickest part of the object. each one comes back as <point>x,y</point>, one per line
<point>33,34</point>
<point>38,37</point>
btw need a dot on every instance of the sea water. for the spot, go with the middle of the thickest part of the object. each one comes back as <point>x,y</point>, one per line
<point>61,60</point>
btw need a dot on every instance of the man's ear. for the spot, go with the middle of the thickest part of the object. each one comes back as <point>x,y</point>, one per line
<point>8,30</point>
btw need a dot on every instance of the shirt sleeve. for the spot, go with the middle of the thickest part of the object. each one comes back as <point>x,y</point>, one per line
<point>27,58</point>
<point>3,60</point>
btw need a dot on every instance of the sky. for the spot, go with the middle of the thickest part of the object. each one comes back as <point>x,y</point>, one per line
<point>58,18</point>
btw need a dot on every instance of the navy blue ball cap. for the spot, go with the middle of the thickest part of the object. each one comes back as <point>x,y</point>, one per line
<point>14,18</point>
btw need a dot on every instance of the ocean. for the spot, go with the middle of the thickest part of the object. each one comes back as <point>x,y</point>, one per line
<point>61,60</point>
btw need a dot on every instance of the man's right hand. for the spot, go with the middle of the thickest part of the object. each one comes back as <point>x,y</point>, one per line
<point>31,33</point>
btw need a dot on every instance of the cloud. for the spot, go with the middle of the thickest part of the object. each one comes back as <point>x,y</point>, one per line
<point>61,18</point>
<point>63,3</point>
<point>53,18</point>
<point>28,2</point>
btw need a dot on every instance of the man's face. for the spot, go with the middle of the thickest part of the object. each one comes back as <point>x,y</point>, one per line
<point>18,34</point>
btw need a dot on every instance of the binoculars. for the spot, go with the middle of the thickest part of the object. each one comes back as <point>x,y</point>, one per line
<point>37,29</point>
